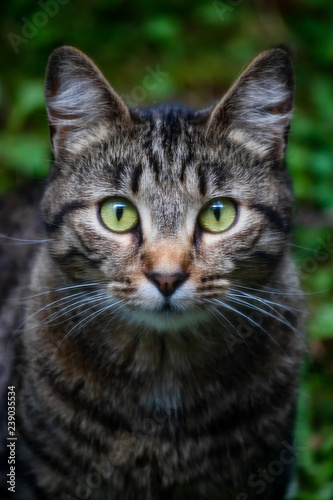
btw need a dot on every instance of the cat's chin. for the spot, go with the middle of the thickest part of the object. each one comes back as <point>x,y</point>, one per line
<point>165,320</point>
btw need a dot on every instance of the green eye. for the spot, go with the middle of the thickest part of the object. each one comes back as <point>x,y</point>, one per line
<point>119,214</point>
<point>217,215</point>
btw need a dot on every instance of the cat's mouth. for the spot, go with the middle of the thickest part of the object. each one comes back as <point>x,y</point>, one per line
<point>166,320</point>
<point>167,317</point>
<point>153,310</point>
<point>167,308</point>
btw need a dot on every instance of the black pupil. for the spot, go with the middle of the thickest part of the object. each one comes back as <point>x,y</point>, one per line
<point>119,212</point>
<point>217,212</point>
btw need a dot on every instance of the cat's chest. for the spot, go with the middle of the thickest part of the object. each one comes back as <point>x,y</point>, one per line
<point>133,377</point>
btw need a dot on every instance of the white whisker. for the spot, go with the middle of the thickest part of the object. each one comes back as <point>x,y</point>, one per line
<point>278,316</point>
<point>248,318</point>
<point>64,311</point>
<point>274,291</point>
<point>90,318</point>
<point>232,326</point>
<point>65,299</point>
<point>264,300</point>
<point>55,290</point>
<point>21,241</point>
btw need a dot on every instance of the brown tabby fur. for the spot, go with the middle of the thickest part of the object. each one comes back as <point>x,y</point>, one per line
<point>123,393</point>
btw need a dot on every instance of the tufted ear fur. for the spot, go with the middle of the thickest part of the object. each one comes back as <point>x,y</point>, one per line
<point>80,102</point>
<point>255,113</point>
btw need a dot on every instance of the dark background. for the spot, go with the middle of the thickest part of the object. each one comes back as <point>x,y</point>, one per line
<point>200,46</point>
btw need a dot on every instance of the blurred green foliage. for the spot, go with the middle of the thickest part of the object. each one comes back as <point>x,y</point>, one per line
<point>201,46</point>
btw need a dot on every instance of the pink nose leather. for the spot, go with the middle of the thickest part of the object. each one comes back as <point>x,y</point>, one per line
<point>167,283</point>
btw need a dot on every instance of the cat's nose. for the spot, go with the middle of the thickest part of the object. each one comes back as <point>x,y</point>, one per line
<point>167,283</point>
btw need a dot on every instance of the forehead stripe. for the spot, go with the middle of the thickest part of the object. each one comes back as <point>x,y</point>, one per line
<point>202,180</point>
<point>136,176</point>
<point>59,217</point>
<point>273,216</point>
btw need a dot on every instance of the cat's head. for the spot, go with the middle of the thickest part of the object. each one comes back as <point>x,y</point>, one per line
<point>168,209</point>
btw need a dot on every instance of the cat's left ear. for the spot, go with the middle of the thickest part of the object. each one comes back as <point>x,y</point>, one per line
<point>255,113</point>
<point>80,102</point>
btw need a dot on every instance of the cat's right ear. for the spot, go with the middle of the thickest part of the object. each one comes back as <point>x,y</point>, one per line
<point>255,113</point>
<point>81,105</point>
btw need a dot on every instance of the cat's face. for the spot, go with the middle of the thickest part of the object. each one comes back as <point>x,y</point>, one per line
<point>168,209</point>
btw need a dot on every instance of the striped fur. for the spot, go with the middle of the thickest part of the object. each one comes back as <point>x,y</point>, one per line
<point>127,394</point>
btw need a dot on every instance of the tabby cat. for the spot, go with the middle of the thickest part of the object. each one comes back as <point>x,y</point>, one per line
<point>159,353</point>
